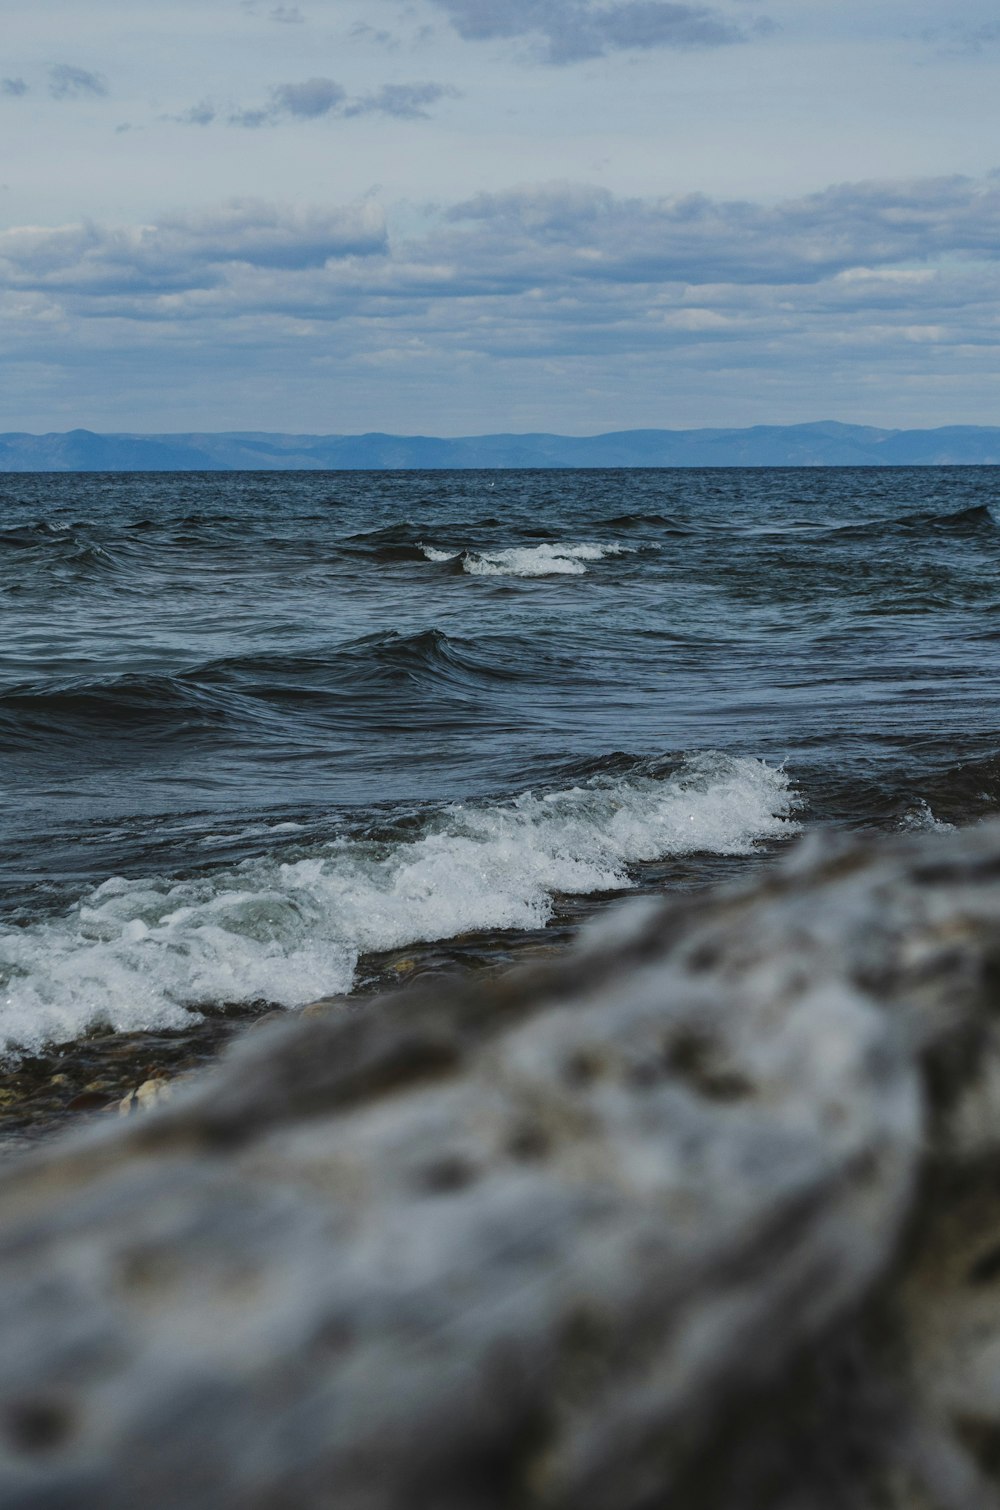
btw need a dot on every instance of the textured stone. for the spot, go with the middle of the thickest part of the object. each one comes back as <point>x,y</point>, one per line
<point>706,1215</point>
<point>145,1096</point>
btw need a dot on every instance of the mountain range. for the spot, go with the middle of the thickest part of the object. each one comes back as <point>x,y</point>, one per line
<point>823,444</point>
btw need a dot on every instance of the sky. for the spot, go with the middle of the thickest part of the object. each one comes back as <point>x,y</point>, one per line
<point>457,216</point>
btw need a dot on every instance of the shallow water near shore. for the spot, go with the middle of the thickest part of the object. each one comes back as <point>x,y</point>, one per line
<point>262,738</point>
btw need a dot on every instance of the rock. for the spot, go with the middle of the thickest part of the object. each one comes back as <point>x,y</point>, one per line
<point>705,1215</point>
<point>145,1096</point>
<point>265,1020</point>
<point>328,1006</point>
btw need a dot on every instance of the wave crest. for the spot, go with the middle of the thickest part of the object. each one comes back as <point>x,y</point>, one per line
<point>551,559</point>
<point>139,954</point>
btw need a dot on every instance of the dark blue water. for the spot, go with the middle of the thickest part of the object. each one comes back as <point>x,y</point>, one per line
<point>255,726</point>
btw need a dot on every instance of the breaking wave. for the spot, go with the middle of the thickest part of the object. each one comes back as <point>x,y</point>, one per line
<point>550,559</point>
<point>142,953</point>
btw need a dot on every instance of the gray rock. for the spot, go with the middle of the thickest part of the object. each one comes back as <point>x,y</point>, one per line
<point>707,1215</point>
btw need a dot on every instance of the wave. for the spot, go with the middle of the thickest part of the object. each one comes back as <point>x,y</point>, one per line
<point>387,659</point>
<point>548,560</point>
<point>401,542</point>
<point>975,520</point>
<point>669,524</point>
<point>36,713</point>
<point>54,545</point>
<point>431,553</point>
<point>390,669</point>
<point>965,791</point>
<point>920,818</point>
<point>141,954</point>
<point>954,522</point>
<point>918,787</point>
<point>396,542</point>
<point>30,536</point>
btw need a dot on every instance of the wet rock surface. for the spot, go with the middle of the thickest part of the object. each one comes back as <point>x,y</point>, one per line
<point>706,1214</point>
<point>45,1093</point>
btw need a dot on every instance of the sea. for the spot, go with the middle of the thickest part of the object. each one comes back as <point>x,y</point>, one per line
<point>273,737</point>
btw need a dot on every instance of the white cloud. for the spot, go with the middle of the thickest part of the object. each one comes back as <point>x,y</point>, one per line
<point>566,259</point>
<point>184,252</point>
<point>567,290</point>
<point>695,261</point>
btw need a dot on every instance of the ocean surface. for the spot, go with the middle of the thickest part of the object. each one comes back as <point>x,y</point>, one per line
<point>260,730</point>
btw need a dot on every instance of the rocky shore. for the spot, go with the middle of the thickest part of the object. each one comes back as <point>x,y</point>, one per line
<point>705,1214</point>
<point>48,1092</point>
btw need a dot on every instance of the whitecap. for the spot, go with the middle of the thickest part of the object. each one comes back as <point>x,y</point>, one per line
<point>919,818</point>
<point>137,954</point>
<point>435,555</point>
<point>539,560</point>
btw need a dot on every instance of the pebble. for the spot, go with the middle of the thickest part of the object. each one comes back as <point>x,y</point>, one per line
<point>326,1006</point>
<point>145,1097</point>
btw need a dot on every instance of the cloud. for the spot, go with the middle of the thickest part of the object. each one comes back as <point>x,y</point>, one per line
<point>202,114</point>
<point>405,101</point>
<point>184,252</point>
<point>575,246</point>
<point>695,238</point>
<point>13,87</point>
<point>67,82</point>
<point>958,39</point>
<point>561,240</point>
<point>315,98</point>
<point>289,15</point>
<point>545,285</point>
<point>312,98</point>
<point>361,31</point>
<point>306,101</point>
<point>570,30</point>
<point>249,118</point>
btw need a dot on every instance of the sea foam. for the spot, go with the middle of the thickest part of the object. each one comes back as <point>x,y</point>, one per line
<point>136,954</point>
<point>548,560</point>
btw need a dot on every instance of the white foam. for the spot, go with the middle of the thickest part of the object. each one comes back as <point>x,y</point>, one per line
<point>547,560</point>
<point>134,954</point>
<point>436,555</point>
<point>920,819</point>
<point>254,831</point>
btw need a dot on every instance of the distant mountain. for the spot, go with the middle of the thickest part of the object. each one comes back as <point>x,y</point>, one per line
<point>825,444</point>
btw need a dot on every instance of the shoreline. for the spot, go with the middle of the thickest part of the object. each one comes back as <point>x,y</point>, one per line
<point>46,1093</point>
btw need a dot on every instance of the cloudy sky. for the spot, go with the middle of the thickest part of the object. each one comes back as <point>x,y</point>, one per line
<point>451,216</point>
